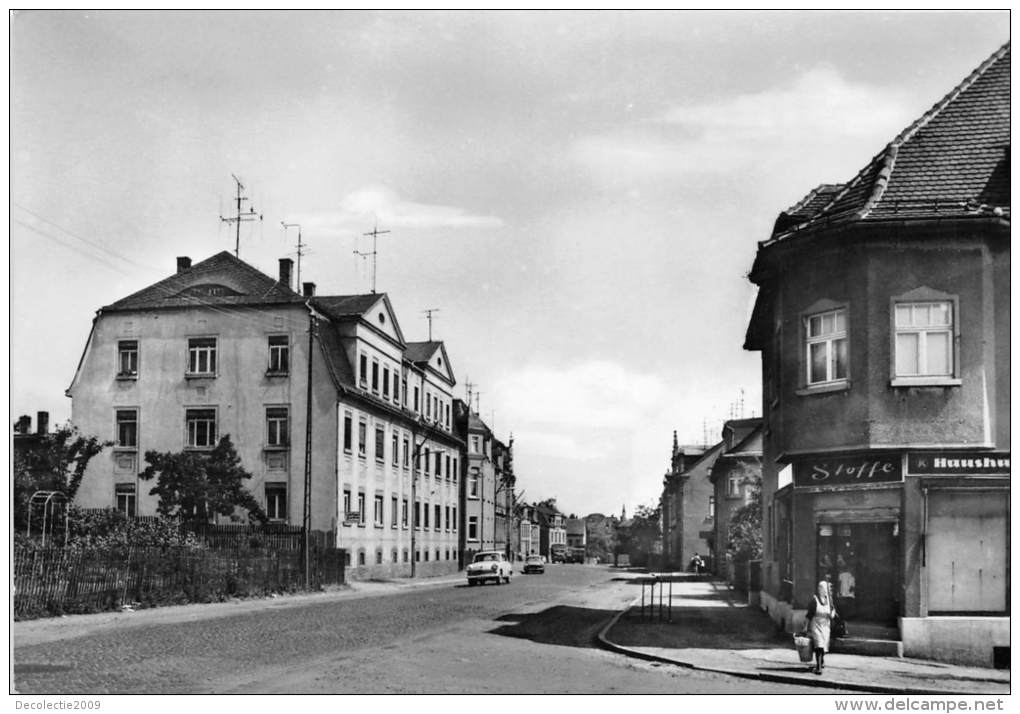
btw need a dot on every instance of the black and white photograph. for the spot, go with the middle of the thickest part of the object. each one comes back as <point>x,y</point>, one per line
<point>486,353</point>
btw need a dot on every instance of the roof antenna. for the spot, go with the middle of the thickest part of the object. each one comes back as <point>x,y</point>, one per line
<point>300,246</point>
<point>375,233</point>
<point>240,217</point>
<point>428,316</point>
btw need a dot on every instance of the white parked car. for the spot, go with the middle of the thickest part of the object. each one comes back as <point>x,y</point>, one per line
<point>489,565</point>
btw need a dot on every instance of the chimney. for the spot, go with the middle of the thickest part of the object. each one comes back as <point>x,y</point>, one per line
<point>183,263</point>
<point>309,289</point>
<point>286,266</point>
<point>24,424</point>
<point>42,422</point>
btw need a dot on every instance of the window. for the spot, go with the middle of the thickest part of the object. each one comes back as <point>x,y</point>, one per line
<point>407,453</point>
<point>447,521</point>
<point>380,444</point>
<point>361,508</point>
<point>393,517</point>
<point>348,427</point>
<point>417,514</point>
<point>826,347</point>
<point>276,501</point>
<point>279,354</point>
<point>472,533</point>
<point>405,555</point>
<point>426,556</point>
<point>347,502</point>
<point>733,485</point>
<point>361,557</point>
<point>403,513</point>
<point>474,445</point>
<point>127,428</point>
<point>378,557</point>
<point>362,438</point>
<point>127,358</point>
<point>277,432</point>
<point>428,462</point>
<point>375,376</point>
<point>439,465</point>
<point>201,426</point>
<point>126,499</point>
<point>924,339</point>
<point>447,416</point>
<point>377,511</point>
<point>455,469</point>
<point>386,382</point>
<point>393,555</point>
<point>416,399</point>
<point>473,483</point>
<point>448,472</point>
<point>403,391</point>
<point>437,524</point>
<point>426,515</point>
<point>363,371</point>
<point>428,405</point>
<point>396,387</point>
<point>202,355</point>
<point>396,448</point>
<point>454,509</point>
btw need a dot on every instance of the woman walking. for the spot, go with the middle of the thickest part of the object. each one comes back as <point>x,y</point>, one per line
<point>820,614</point>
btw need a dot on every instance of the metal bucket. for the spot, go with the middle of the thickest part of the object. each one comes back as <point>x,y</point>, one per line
<point>804,647</point>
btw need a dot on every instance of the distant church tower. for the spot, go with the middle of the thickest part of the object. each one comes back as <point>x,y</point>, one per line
<point>623,513</point>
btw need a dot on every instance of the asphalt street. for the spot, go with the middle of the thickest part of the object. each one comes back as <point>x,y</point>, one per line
<point>535,635</point>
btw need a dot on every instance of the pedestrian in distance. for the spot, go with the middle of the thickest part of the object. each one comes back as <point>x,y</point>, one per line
<point>820,614</point>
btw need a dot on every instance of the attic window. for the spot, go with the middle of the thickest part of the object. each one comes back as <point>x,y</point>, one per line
<point>382,319</point>
<point>439,361</point>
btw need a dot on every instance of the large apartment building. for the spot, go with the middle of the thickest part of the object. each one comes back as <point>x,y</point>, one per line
<point>220,348</point>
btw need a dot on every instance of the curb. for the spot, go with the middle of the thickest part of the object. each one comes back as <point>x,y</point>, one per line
<point>759,676</point>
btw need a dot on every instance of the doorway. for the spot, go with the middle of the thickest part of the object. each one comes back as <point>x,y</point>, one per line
<point>861,562</point>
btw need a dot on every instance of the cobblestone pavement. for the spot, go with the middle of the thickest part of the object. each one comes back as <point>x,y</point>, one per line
<point>536,635</point>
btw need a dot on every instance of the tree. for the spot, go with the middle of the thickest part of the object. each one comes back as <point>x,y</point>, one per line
<point>56,463</point>
<point>196,486</point>
<point>743,536</point>
<point>638,537</point>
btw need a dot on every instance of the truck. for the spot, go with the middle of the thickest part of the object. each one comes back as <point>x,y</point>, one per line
<point>558,553</point>
<point>576,554</point>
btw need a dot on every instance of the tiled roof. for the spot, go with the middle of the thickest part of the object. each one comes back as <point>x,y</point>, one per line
<point>336,358</point>
<point>418,352</point>
<point>344,307</point>
<point>246,285</point>
<point>951,162</point>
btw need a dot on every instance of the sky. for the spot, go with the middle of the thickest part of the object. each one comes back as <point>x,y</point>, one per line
<point>578,194</point>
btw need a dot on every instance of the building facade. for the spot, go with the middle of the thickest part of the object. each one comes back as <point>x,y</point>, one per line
<point>735,477</point>
<point>552,529</point>
<point>506,536</point>
<point>882,318</point>
<point>220,348</point>
<point>479,489</point>
<point>676,492</point>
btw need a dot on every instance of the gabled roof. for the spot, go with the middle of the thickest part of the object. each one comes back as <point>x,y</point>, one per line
<point>419,352</point>
<point>424,356</point>
<point>219,280</point>
<point>953,162</point>
<point>345,307</point>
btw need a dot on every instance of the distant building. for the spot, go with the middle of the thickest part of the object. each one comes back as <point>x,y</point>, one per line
<point>679,496</point>
<point>506,536</point>
<point>883,321</point>
<point>552,529</point>
<point>480,490</point>
<point>577,533</point>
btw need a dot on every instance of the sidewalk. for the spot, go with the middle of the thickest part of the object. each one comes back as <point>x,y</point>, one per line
<point>712,631</point>
<point>51,629</point>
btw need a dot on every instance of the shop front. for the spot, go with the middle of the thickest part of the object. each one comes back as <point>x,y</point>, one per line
<point>847,532</point>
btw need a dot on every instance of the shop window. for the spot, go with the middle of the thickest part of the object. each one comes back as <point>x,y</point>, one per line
<point>966,552</point>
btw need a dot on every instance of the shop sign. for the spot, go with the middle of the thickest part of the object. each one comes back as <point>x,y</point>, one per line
<point>848,470</point>
<point>940,463</point>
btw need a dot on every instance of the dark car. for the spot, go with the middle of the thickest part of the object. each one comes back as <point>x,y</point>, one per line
<point>534,564</point>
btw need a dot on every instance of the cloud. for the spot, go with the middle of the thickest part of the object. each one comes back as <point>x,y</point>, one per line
<point>818,120</point>
<point>378,203</point>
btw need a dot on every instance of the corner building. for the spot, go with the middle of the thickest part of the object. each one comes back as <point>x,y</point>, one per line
<point>883,321</point>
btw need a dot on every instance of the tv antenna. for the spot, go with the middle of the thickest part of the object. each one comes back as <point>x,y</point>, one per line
<point>241,217</point>
<point>375,233</point>
<point>428,316</point>
<point>300,247</point>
